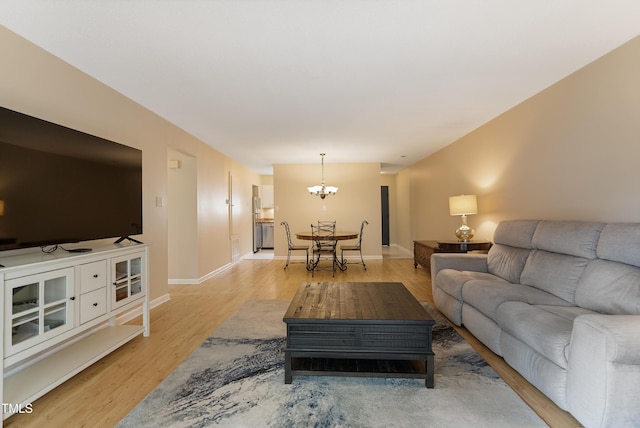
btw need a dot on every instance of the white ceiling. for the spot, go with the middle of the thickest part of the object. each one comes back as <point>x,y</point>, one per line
<point>280,81</point>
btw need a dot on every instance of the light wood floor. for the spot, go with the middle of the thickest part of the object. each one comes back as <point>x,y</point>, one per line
<point>104,393</point>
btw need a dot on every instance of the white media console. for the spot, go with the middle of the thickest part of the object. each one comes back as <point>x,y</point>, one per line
<point>60,315</point>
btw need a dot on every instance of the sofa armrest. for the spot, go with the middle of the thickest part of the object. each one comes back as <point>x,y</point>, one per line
<point>458,261</point>
<point>603,372</point>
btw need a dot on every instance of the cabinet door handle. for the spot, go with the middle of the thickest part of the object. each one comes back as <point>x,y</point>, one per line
<point>95,304</point>
<point>72,298</point>
<point>95,275</point>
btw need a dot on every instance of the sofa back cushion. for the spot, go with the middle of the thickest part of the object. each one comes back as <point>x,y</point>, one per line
<point>512,244</point>
<point>562,251</point>
<point>507,262</point>
<point>575,238</point>
<point>515,233</point>
<point>612,285</point>
<point>610,288</point>
<point>554,273</point>
<point>620,242</point>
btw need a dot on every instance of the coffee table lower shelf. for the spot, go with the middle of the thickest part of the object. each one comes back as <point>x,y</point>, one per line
<point>360,367</point>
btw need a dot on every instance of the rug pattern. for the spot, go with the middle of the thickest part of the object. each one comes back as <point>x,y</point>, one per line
<point>235,381</point>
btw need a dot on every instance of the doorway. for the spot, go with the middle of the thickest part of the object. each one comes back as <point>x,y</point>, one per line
<point>182,216</point>
<point>384,199</point>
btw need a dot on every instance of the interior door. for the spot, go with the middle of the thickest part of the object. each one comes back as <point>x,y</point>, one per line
<point>384,198</point>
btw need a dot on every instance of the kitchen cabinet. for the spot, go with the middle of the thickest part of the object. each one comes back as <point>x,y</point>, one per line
<point>267,196</point>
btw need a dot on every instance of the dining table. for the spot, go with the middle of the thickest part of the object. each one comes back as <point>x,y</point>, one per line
<point>338,235</point>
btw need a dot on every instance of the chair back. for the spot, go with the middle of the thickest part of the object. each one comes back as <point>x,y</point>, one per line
<point>360,237</point>
<point>327,225</point>
<point>286,228</point>
<point>323,235</point>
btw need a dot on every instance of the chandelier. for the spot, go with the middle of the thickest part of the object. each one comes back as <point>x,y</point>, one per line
<point>322,190</point>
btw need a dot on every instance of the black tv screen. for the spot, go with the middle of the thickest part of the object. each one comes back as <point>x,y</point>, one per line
<point>59,185</point>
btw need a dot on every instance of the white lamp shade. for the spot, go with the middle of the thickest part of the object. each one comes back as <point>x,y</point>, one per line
<point>331,189</point>
<point>463,205</point>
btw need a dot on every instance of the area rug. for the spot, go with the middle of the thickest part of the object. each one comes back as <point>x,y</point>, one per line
<point>236,379</point>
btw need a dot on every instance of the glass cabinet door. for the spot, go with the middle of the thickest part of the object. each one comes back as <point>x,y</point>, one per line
<point>121,284</point>
<point>136,276</point>
<point>39,306</point>
<point>55,303</point>
<point>25,302</point>
<point>128,279</point>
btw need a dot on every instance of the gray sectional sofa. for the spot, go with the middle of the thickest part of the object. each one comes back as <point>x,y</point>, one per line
<point>560,302</point>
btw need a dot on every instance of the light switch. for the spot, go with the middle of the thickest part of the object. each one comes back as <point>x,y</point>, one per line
<point>159,201</point>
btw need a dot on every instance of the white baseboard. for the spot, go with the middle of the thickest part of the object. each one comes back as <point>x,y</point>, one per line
<point>198,281</point>
<point>406,250</point>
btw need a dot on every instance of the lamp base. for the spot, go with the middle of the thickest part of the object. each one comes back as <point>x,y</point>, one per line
<point>464,233</point>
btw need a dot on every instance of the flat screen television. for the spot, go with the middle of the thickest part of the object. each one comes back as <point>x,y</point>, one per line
<point>59,185</point>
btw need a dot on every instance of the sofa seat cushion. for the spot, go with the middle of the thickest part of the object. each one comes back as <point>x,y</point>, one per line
<point>544,328</point>
<point>486,296</point>
<point>451,281</point>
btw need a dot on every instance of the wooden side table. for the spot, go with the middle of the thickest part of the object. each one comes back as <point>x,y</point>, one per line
<point>422,250</point>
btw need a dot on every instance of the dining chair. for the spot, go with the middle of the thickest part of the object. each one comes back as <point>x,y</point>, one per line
<point>324,246</point>
<point>357,247</point>
<point>326,227</point>
<point>292,247</point>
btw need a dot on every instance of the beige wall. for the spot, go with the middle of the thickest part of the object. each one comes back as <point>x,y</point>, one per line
<point>403,222</point>
<point>569,152</point>
<point>358,199</point>
<point>36,83</point>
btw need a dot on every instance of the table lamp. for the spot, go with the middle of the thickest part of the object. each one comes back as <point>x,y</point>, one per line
<point>463,205</point>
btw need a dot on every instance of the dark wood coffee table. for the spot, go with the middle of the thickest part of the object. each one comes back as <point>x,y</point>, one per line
<point>373,329</point>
